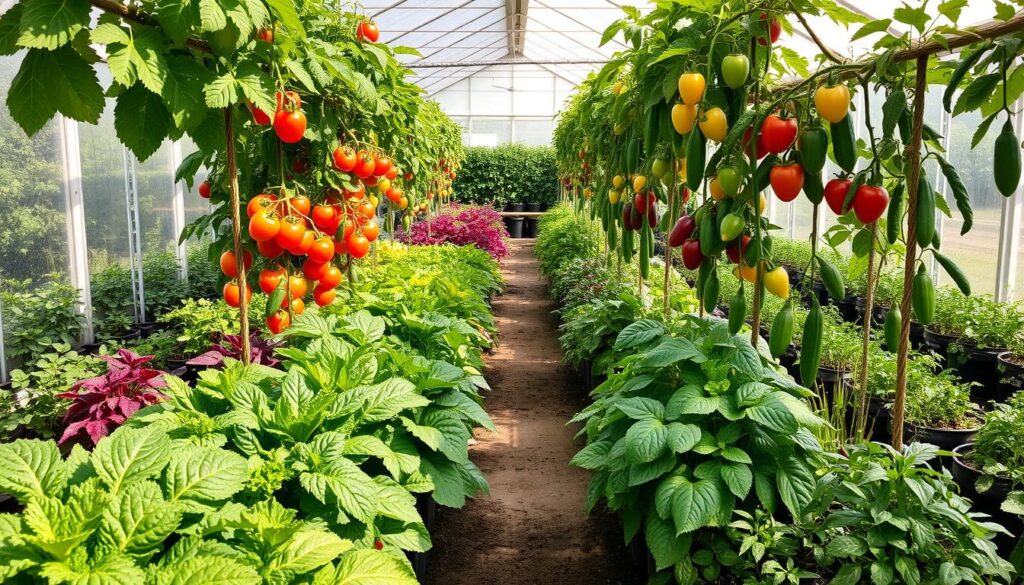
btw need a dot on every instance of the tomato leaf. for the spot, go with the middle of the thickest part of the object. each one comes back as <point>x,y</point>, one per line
<point>977,93</point>
<point>54,81</point>
<point>48,24</point>
<point>141,121</point>
<point>177,18</point>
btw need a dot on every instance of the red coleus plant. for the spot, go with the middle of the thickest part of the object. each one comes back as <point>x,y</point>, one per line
<point>261,351</point>
<point>103,403</point>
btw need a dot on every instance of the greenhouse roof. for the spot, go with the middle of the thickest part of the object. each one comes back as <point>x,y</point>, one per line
<point>457,38</point>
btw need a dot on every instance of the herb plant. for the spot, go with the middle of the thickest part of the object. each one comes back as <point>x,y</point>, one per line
<point>36,317</point>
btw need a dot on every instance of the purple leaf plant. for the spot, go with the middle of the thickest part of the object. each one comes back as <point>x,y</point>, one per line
<point>478,225</point>
<point>261,351</point>
<point>102,403</point>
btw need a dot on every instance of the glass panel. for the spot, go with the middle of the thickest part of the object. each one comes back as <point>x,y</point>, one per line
<point>203,274</point>
<point>39,307</point>
<point>162,287</point>
<point>533,132</point>
<point>490,131</point>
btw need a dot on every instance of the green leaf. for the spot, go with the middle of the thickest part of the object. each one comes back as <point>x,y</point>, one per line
<point>141,120</point>
<point>872,27</point>
<point>894,106</point>
<point>796,483</point>
<point>638,333</point>
<point>978,92</point>
<point>695,504</point>
<point>951,9</point>
<point>212,16</point>
<point>183,92</point>
<point>139,521</point>
<point>645,441</point>
<point>690,400</point>
<point>10,29</point>
<point>666,547</point>
<point>736,454</point>
<point>641,408</point>
<point>915,17</point>
<point>108,570</point>
<point>881,573</point>
<point>593,456</point>
<point>178,18</point>
<point>847,575</point>
<point>846,546</point>
<point>130,455</point>
<point>982,130</point>
<point>256,86</point>
<point>355,491</point>
<point>774,415</point>
<point>208,570</point>
<point>31,468</point>
<point>671,351</point>
<point>48,24</point>
<point>54,81</point>
<point>205,474</point>
<point>738,477</point>
<point>372,567</point>
<point>286,13</point>
<point>386,400</point>
<point>682,437</point>
<point>305,551</point>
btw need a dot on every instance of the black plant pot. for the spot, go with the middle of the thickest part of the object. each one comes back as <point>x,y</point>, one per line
<point>990,501</point>
<point>533,207</point>
<point>938,343</point>
<point>877,312</point>
<point>427,508</point>
<point>181,369</point>
<point>916,335</point>
<point>130,335</point>
<point>530,228</point>
<point>879,420</point>
<point>514,225</point>
<point>947,439</point>
<point>515,207</point>
<point>543,206</point>
<point>848,307</point>
<point>641,556</point>
<point>981,367</point>
<point>832,376</point>
<point>1011,376</point>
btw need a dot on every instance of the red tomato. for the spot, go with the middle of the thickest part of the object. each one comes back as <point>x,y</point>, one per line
<point>358,246</point>
<point>869,203</point>
<point>331,277</point>
<point>344,158</point>
<point>644,202</point>
<point>297,286</point>
<point>364,165</point>
<point>264,226</point>
<point>232,294</point>
<point>407,176</point>
<point>735,250</point>
<point>787,181</point>
<point>300,205</point>
<point>381,165</point>
<point>270,279</point>
<point>262,202</point>
<point>392,174</point>
<point>322,250</point>
<point>368,31</point>
<point>300,165</point>
<point>278,322</point>
<point>394,194</point>
<point>229,262</point>
<point>259,116</point>
<point>305,244</point>
<point>774,30</point>
<point>371,230</point>
<point>205,190</point>
<point>325,218</point>
<point>313,269</point>
<point>835,194</point>
<point>371,181</point>
<point>692,257</point>
<point>269,249</point>
<point>291,232</point>
<point>266,35</point>
<point>324,296</point>
<point>778,133</point>
<point>289,100</point>
<point>762,151</point>
<point>367,210</point>
<point>290,126</point>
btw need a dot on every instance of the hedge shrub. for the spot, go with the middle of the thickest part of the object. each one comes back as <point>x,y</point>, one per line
<point>512,173</point>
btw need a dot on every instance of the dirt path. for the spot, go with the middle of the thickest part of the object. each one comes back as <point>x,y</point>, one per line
<point>532,530</point>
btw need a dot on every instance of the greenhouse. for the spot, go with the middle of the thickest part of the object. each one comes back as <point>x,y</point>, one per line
<point>511,292</point>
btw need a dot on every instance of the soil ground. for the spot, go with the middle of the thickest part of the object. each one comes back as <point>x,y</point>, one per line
<point>532,529</point>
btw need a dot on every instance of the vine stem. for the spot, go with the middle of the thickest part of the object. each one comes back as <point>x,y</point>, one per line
<point>236,233</point>
<point>861,413</point>
<point>914,172</point>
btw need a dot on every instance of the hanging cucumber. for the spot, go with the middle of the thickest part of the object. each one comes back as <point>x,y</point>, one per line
<point>844,144</point>
<point>894,219</point>
<point>893,322</point>
<point>832,280</point>
<point>708,234</point>
<point>925,211</point>
<point>781,334</point>
<point>1006,164</point>
<point>633,156</point>
<point>613,236</point>
<point>737,312</point>
<point>923,297</point>
<point>652,128</point>
<point>710,290</point>
<point>627,245</point>
<point>813,187</point>
<point>696,151</point>
<point>810,348</point>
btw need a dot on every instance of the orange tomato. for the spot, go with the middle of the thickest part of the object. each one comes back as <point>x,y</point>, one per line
<point>229,262</point>
<point>270,279</point>
<point>291,233</point>
<point>298,306</point>
<point>371,230</point>
<point>264,226</point>
<point>269,249</point>
<point>297,286</point>
<point>330,278</point>
<point>278,322</point>
<point>232,295</point>
<point>262,202</point>
<point>300,205</point>
<point>324,296</point>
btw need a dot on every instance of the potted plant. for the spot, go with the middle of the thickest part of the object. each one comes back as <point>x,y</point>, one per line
<point>1011,368</point>
<point>951,311</point>
<point>991,327</point>
<point>939,410</point>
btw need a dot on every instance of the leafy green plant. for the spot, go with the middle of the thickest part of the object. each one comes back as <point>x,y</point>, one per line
<point>690,426</point>
<point>840,343</point>
<point>952,312</point>
<point>36,317</point>
<point>886,516</point>
<point>112,306</point>
<point>510,173</point>
<point>938,401</point>
<point>33,402</point>
<point>162,284</point>
<point>199,322</point>
<point>144,508</point>
<point>203,275</point>
<point>563,236</point>
<point>999,446</point>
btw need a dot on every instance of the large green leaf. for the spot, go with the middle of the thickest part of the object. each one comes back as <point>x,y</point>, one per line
<point>355,491</point>
<point>305,551</point>
<point>671,351</point>
<point>682,437</point>
<point>183,92</point>
<point>141,121</point>
<point>109,570</point>
<point>130,455</point>
<point>205,474</point>
<point>773,414</point>
<point>371,567</point>
<point>453,429</point>
<point>645,441</point>
<point>207,570</point>
<point>139,521</point>
<point>666,547</point>
<point>386,400</point>
<point>48,24</point>
<point>795,481</point>
<point>177,18</point>
<point>31,468</point>
<point>694,505</point>
<point>54,81</point>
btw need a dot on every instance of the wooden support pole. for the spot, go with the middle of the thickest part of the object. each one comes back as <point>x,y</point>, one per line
<point>236,233</point>
<point>913,156</point>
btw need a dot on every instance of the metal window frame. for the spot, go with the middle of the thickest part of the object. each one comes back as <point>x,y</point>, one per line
<point>78,248</point>
<point>178,208</point>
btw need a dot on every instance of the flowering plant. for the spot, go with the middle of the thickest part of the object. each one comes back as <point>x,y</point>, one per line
<point>479,225</point>
<point>103,403</point>
<point>261,351</point>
